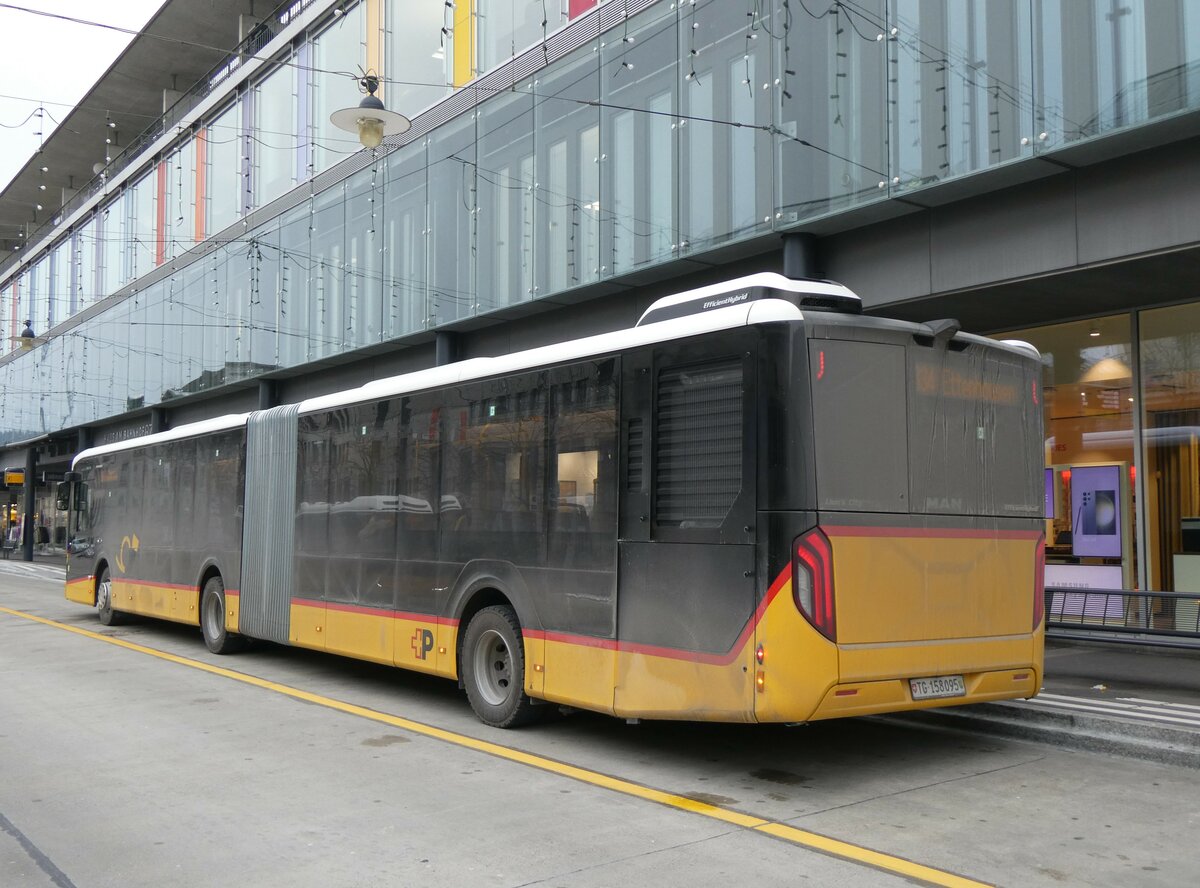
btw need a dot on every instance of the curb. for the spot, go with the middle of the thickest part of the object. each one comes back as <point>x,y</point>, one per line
<point>1090,733</point>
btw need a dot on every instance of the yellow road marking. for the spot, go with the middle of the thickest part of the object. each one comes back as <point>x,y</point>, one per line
<point>794,835</point>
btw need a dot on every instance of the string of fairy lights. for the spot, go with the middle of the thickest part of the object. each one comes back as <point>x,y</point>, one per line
<point>326,282</point>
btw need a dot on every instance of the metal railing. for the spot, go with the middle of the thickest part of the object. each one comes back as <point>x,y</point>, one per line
<point>1170,619</point>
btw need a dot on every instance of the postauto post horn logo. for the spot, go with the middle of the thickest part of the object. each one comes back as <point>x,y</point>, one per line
<point>422,643</point>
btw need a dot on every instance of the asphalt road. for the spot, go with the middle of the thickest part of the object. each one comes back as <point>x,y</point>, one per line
<point>130,756</point>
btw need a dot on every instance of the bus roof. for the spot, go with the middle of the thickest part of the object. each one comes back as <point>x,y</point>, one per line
<point>190,430</point>
<point>740,315</point>
<point>821,295</point>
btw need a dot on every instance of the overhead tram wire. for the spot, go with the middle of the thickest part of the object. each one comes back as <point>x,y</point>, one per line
<point>28,118</point>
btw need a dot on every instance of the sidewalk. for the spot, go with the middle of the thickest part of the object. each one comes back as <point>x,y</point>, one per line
<point>1129,700</point>
<point>53,557</point>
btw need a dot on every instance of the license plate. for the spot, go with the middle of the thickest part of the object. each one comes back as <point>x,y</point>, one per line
<point>941,686</point>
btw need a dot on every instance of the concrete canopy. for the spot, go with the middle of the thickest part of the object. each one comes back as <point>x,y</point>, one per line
<point>182,43</point>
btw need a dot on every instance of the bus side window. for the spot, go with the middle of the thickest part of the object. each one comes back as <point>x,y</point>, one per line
<point>584,482</point>
<point>312,505</point>
<point>494,469</point>
<point>185,495</point>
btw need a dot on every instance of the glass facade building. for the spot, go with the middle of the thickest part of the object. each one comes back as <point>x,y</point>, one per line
<point>562,145</point>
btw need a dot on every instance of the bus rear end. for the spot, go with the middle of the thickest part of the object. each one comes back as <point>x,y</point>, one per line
<point>911,575</point>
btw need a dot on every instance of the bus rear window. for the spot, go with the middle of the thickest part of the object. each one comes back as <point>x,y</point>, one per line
<point>970,415</point>
<point>860,425</point>
<point>909,428</point>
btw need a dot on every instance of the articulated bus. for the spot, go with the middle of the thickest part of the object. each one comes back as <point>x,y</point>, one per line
<point>756,505</point>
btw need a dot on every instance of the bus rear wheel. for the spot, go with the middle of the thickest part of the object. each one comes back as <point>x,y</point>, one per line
<point>217,638</point>
<point>104,605</point>
<point>493,663</point>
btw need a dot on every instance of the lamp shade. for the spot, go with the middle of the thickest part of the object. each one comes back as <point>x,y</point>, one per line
<point>370,121</point>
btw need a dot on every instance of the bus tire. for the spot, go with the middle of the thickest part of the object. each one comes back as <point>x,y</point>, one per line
<point>217,638</point>
<point>104,606</point>
<point>493,665</point>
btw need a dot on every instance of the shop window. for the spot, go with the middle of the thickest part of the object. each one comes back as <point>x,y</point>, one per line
<point>1170,379</point>
<point>507,27</point>
<point>223,180</point>
<point>416,55</point>
<point>1088,403</point>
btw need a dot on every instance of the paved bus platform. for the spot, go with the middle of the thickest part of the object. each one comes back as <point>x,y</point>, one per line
<point>1128,699</point>
<point>39,556</point>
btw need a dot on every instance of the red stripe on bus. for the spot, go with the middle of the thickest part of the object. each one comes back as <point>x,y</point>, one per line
<point>374,611</point>
<point>425,618</point>
<point>929,532</point>
<point>177,586</point>
<point>678,654</point>
<point>591,641</point>
<point>356,609</point>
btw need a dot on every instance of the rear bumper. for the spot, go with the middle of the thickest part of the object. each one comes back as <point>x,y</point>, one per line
<point>892,695</point>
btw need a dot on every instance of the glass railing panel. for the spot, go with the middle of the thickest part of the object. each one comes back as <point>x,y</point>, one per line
<point>831,138</point>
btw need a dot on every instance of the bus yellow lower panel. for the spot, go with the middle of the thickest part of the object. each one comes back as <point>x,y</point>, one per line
<point>668,687</point>
<point>82,590</point>
<point>233,610</point>
<point>410,641</point>
<point>176,603</point>
<point>361,634</point>
<point>307,624</point>
<point>579,674</point>
<point>535,665</point>
<point>446,635</point>
<point>424,644</point>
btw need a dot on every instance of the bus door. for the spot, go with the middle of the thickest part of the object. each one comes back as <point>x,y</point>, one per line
<point>686,564</point>
<point>577,604</point>
<point>307,608</point>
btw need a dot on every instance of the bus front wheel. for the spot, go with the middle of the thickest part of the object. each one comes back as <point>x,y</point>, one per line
<point>104,604</point>
<point>217,638</point>
<point>493,664</point>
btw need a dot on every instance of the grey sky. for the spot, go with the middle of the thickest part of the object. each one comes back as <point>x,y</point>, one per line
<point>54,62</point>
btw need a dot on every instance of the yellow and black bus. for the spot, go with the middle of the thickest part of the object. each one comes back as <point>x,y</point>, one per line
<point>757,504</point>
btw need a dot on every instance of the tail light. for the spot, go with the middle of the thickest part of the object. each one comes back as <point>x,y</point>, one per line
<point>812,581</point>
<point>1039,582</point>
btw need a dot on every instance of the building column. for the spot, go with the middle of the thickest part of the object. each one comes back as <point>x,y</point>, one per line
<point>30,531</point>
<point>445,348</point>
<point>268,394</point>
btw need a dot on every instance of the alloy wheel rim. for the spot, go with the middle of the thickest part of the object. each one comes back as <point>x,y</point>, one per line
<point>493,667</point>
<point>212,621</point>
